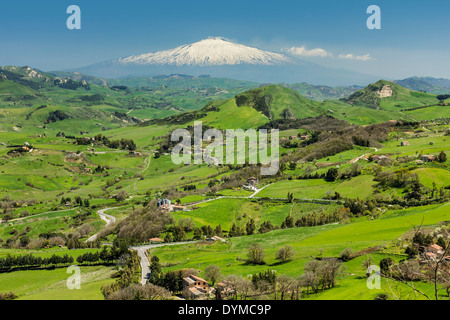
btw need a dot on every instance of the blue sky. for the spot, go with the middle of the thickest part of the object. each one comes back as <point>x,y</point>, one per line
<point>413,39</point>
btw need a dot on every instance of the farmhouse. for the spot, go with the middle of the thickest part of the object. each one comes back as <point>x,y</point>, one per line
<point>377,158</point>
<point>435,249</point>
<point>164,204</point>
<point>178,208</point>
<point>72,155</point>
<point>134,153</point>
<point>196,287</point>
<point>252,181</point>
<point>224,288</point>
<point>156,240</point>
<point>428,158</point>
<point>215,238</point>
<point>304,138</point>
<point>404,143</point>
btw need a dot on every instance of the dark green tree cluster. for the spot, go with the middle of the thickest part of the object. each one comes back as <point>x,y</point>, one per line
<point>128,276</point>
<point>32,261</point>
<point>268,276</point>
<point>266,226</point>
<point>172,281</point>
<point>236,231</point>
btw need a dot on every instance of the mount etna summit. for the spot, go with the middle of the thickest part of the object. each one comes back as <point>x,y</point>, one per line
<point>219,57</point>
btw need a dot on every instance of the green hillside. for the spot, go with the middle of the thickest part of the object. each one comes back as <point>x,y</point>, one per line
<point>385,95</point>
<point>277,102</point>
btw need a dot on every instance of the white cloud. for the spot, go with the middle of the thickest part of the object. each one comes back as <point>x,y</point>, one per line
<point>351,56</point>
<point>302,51</point>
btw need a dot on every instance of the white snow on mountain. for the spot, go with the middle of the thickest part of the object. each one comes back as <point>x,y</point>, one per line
<point>208,52</point>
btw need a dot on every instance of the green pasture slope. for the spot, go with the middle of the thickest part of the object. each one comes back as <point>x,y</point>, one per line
<point>52,284</point>
<point>310,242</point>
<point>47,174</point>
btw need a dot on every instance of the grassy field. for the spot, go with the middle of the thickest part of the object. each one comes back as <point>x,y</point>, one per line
<point>310,242</point>
<point>52,284</point>
<point>53,179</point>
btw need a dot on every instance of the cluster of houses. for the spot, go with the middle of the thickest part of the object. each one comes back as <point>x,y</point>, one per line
<point>198,288</point>
<point>27,147</point>
<point>73,155</point>
<point>377,158</point>
<point>434,253</point>
<point>424,158</point>
<point>133,153</point>
<point>166,205</point>
<point>251,184</point>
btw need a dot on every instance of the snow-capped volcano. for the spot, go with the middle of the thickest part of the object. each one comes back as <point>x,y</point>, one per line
<point>220,58</point>
<point>208,52</point>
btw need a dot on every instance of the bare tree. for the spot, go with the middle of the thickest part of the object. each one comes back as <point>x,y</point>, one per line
<point>433,267</point>
<point>285,253</point>
<point>139,292</point>
<point>284,284</point>
<point>213,273</point>
<point>256,254</point>
<point>245,287</point>
<point>310,280</point>
<point>296,288</point>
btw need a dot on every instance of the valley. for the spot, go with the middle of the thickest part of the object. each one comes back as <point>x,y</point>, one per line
<point>363,179</point>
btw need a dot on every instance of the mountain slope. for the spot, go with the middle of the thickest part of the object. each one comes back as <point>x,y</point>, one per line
<point>277,102</point>
<point>208,52</point>
<point>249,109</point>
<point>426,84</point>
<point>385,95</point>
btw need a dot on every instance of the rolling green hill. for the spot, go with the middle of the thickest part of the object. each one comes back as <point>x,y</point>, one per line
<point>389,96</point>
<point>277,102</point>
<point>249,109</point>
<point>426,84</point>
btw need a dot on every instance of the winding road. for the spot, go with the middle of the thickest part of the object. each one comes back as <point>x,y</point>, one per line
<point>105,217</point>
<point>141,250</point>
<point>145,263</point>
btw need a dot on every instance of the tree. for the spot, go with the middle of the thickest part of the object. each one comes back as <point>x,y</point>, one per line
<point>347,254</point>
<point>416,191</point>
<point>285,253</point>
<point>213,273</point>
<point>255,254</point>
<point>284,285</point>
<point>366,264</point>
<point>218,231</point>
<point>168,237</point>
<point>122,195</point>
<point>138,292</point>
<point>24,241</point>
<point>290,197</point>
<point>442,157</point>
<point>155,269</point>
<point>385,265</point>
<point>293,165</point>
<point>179,234</point>
<point>332,174</point>
<point>288,222</point>
<point>198,234</point>
<point>250,227</point>
<point>310,280</point>
<point>442,97</point>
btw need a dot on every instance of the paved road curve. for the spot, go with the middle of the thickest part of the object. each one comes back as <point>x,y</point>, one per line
<point>105,217</point>
<point>145,263</point>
